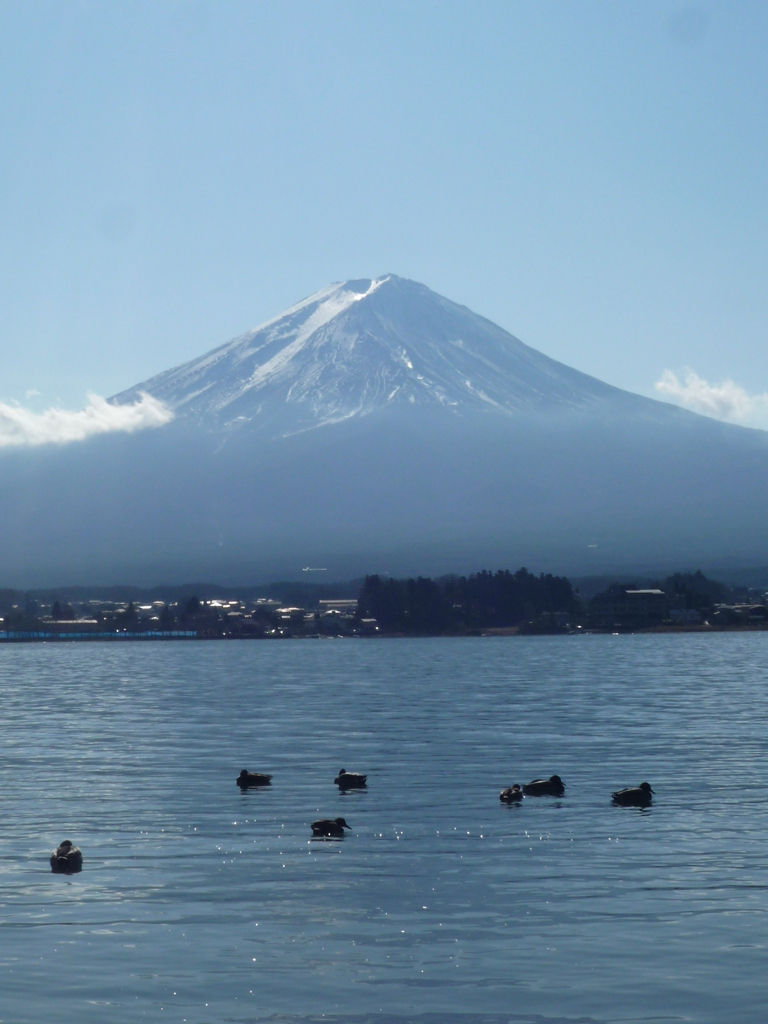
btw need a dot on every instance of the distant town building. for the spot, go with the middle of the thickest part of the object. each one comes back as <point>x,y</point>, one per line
<point>685,616</point>
<point>627,607</point>
<point>345,605</point>
<point>740,614</point>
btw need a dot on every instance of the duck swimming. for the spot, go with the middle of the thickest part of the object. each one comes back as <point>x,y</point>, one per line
<point>66,859</point>
<point>511,795</point>
<point>350,780</point>
<point>329,827</point>
<point>553,786</point>
<point>246,779</point>
<point>637,796</point>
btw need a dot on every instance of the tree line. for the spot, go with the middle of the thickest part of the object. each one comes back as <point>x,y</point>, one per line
<point>454,603</point>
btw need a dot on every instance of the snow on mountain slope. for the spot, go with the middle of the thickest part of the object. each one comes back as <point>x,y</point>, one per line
<point>362,345</point>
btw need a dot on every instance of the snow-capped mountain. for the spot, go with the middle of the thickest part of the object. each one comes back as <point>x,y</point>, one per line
<point>363,345</point>
<point>378,427</point>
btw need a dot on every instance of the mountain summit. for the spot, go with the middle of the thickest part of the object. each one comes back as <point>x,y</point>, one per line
<point>363,345</point>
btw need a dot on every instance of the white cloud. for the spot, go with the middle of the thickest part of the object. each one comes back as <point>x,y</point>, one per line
<point>19,426</point>
<point>32,393</point>
<point>726,401</point>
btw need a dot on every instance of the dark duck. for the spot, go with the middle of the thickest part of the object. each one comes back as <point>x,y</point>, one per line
<point>634,796</point>
<point>66,859</point>
<point>350,780</point>
<point>246,779</point>
<point>511,795</point>
<point>553,786</point>
<point>329,827</point>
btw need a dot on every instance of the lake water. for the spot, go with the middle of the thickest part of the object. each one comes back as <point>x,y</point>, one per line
<point>199,903</point>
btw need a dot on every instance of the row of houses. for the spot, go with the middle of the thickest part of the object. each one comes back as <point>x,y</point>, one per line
<point>335,616</point>
<point>205,618</point>
<point>627,607</point>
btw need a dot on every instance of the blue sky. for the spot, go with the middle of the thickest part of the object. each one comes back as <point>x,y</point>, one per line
<point>589,175</point>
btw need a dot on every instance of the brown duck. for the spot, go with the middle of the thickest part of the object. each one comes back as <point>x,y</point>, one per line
<point>246,779</point>
<point>66,859</point>
<point>511,795</point>
<point>634,796</point>
<point>350,780</point>
<point>553,786</point>
<point>329,827</point>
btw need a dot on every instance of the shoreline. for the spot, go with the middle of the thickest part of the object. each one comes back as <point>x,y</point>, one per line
<point>40,637</point>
